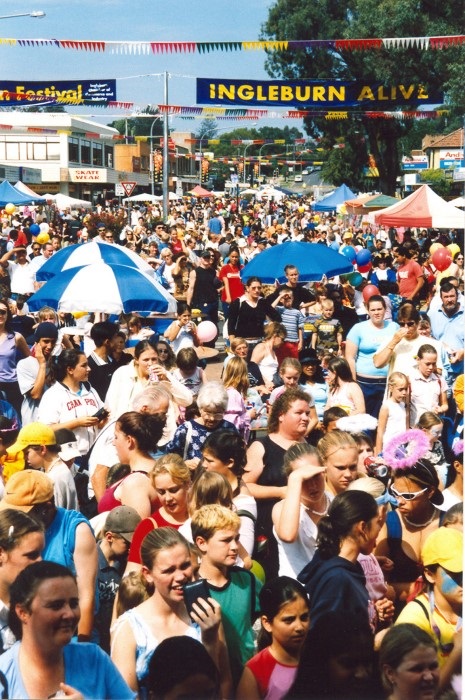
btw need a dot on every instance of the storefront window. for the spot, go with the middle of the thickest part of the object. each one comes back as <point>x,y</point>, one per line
<point>85,153</point>
<point>73,150</point>
<point>97,154</point>
<point>109,156</point>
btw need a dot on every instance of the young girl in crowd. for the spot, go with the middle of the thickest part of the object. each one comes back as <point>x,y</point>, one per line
<point>343,391</point>
<point>393,417</point>
<point>188,371</point>
<point>236,383</point>
<point>224,452</point>
<point>365,450</point>
<point>432,425</point>
<point>285,622</point>
<point>182,333</point>
<point>428,390</point>
<point>296,517</point>
<point>167,565</point>
<point>314,382</point>
<point>333,579</point>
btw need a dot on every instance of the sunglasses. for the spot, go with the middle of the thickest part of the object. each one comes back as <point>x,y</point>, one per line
<point>406,323</point>
<point>3,312</point>
<point>162,351</point>
<point>409,496</point>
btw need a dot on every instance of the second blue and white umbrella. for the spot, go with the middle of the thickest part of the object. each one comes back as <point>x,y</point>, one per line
<point>111,289</point>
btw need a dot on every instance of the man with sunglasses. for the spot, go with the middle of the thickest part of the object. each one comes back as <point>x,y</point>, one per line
<point>438,610</point>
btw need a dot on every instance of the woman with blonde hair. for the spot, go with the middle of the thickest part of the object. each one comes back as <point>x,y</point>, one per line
<point>171,480</point>
<point>236,383</point>
<point>339,454</point>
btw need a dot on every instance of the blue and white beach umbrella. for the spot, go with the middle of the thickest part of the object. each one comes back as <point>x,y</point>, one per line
<point>87,253</point>
<point>111,289</point>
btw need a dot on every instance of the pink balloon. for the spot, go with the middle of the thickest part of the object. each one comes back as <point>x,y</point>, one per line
<point>369,291</point>
<point>206,331</point>
<point>441,258</point>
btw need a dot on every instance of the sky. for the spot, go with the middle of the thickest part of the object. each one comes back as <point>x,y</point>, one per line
<point>139,78</point>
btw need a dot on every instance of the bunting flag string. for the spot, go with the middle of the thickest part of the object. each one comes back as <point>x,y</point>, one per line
<point>422,43</point>
<point>225,113</point>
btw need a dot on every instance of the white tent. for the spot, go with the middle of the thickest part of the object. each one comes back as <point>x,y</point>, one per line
<point>422,209</point>
<point>144,197</point>
<point>270,192</point>
<point>458,202</point>
<point>62,201</point>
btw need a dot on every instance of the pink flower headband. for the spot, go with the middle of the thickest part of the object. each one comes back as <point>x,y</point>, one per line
<point>457,447</point>
<point>406,449</point>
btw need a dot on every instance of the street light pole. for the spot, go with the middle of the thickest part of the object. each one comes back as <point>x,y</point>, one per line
<point>244,179</point>
<point>165,152</point>
<point>152,183</point>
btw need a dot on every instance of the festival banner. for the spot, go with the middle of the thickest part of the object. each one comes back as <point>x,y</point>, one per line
<point>313,93</point>
<point>78,91</point>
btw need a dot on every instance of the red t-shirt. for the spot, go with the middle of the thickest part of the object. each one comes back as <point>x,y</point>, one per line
<point>143,528</point>
<point>233,275</point>
<point>407,277</point>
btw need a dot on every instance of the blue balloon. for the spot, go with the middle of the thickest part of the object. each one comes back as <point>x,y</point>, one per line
<point>349,252</point>
<point>363,257</point>
<point>34,229</point>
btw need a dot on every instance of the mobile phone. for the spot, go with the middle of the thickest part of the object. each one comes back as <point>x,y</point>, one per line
<point>101,413</point>
<point>193,591</point>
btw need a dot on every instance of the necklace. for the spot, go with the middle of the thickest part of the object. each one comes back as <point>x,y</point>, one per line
<point>316,512</point>
<point>418,525</point>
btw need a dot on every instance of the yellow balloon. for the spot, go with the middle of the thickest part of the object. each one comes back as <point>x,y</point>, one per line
<point>454,248</point>
<point>43,238</point>
<point>9,208</point>
<point>434,247</point>
<point>79,314</point>
<point>258,571</point>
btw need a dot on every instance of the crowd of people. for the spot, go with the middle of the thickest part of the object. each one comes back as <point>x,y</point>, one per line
<point>282,520</point>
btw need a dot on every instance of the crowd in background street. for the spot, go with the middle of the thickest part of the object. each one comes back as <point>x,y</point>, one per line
<point>295,450</point>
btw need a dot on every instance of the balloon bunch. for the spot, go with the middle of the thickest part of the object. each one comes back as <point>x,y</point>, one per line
<point>441,255</point>
<point>359,256</point>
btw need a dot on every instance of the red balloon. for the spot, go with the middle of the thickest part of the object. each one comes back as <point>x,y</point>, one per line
<point>364,268</point>
<point>369,291</point>
<point>441,258</point>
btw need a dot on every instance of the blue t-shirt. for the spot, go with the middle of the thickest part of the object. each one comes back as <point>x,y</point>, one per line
<point>369,340</point>
<point>87,669</point>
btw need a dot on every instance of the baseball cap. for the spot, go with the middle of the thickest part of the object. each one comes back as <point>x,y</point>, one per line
<point>347,234</point>
<point>33,434</point>
<point>46,330</point>
<point>444,547</point>
<point>26,489</point>
<point>68,444</point>
<point>122,520</point>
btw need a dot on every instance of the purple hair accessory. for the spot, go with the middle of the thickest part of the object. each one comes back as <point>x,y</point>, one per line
<point>457,447</point>
<point>406,449</point>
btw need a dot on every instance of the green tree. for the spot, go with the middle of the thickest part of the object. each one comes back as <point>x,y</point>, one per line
<point>350,19</point>
<point>208,129</point>
<point>438,181</point>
